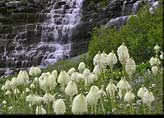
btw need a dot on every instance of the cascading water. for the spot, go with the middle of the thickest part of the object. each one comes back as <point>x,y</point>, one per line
<point>57,30</point>
<point>62,16</point>
<point>119,21</point>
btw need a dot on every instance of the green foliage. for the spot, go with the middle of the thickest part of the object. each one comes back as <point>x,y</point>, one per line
<point>140,34</point>
<point>103,3</point>
<point>143,66</point>
<point>24,1</point>
<point>96,1</point>
<point>62,65</point>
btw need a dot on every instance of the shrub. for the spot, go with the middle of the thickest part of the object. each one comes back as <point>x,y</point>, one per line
<point>140,34</point>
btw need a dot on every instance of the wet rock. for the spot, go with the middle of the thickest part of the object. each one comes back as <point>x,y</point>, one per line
<point>13,4</point>
<point>117,22</point>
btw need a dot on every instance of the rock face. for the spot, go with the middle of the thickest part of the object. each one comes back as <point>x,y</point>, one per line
<point>99,13</point>
<point>112,13</point>
<point>17,17</point>
<point>34,32</point>
<point>41,36</point>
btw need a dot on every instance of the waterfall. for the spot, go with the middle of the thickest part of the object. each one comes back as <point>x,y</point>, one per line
<point>136,6</point>
<point>121,20</point>
<point>57,30</point>
<point>54,44</point>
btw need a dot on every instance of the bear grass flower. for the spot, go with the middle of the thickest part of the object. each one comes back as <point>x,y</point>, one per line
<point>16,91</point>
<point>74,76</point>
<point>129,97</point>
<point>97,58</point>
<point>8,92</point>
<point>153,85</point>
<point>7,85</point>
<point>71,89</point>
<point>122,53</point>
<point>148,98</point>
<point>111,58</point>
<point>90,79</point>
<point>55,73</point>
<point>154,61</point>
<point>52,81</point>
<point>80,78</point>
<point>111,89</point>
<point>31,71</point>
<point>4,102</point>
<point>48,98</point>
<point>101,93</point>
<point>71,71</point>
<point>59,106</point>
<point>86,72</point>
<point>47,82</point>
<point>63,79</point>
<point>79,104</point>
<point>92,97</point>
<point>103,59</point>
<point>161,55</point>
<point>154,70</point>
<point>123,87</point>
<point>34,99</point>
<point>142,91</point>
<point>77,77</point>
<point>138,102</point>
<point>23,78</point>
<point>32,86</point>
<point>81,67</point>
<point>34,71</point>
<point>37,99</point>
<point>156,48</point>
<point>3,88</point>
<point>123,84</point>
<point>10,108</point>
<point>151,10</point>
<point>27,90</point>
<point>97,70</point>
<point>130,66</point>
<point>93,77</point>
<point>36,79</point>
<point>14,82</point>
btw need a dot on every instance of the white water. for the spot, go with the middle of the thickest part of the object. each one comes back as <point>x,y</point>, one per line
<point>121,20</point>
<point>136,6</point>
<point>55,42</point>
<point>60,27</point>
<point>60,18</point>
